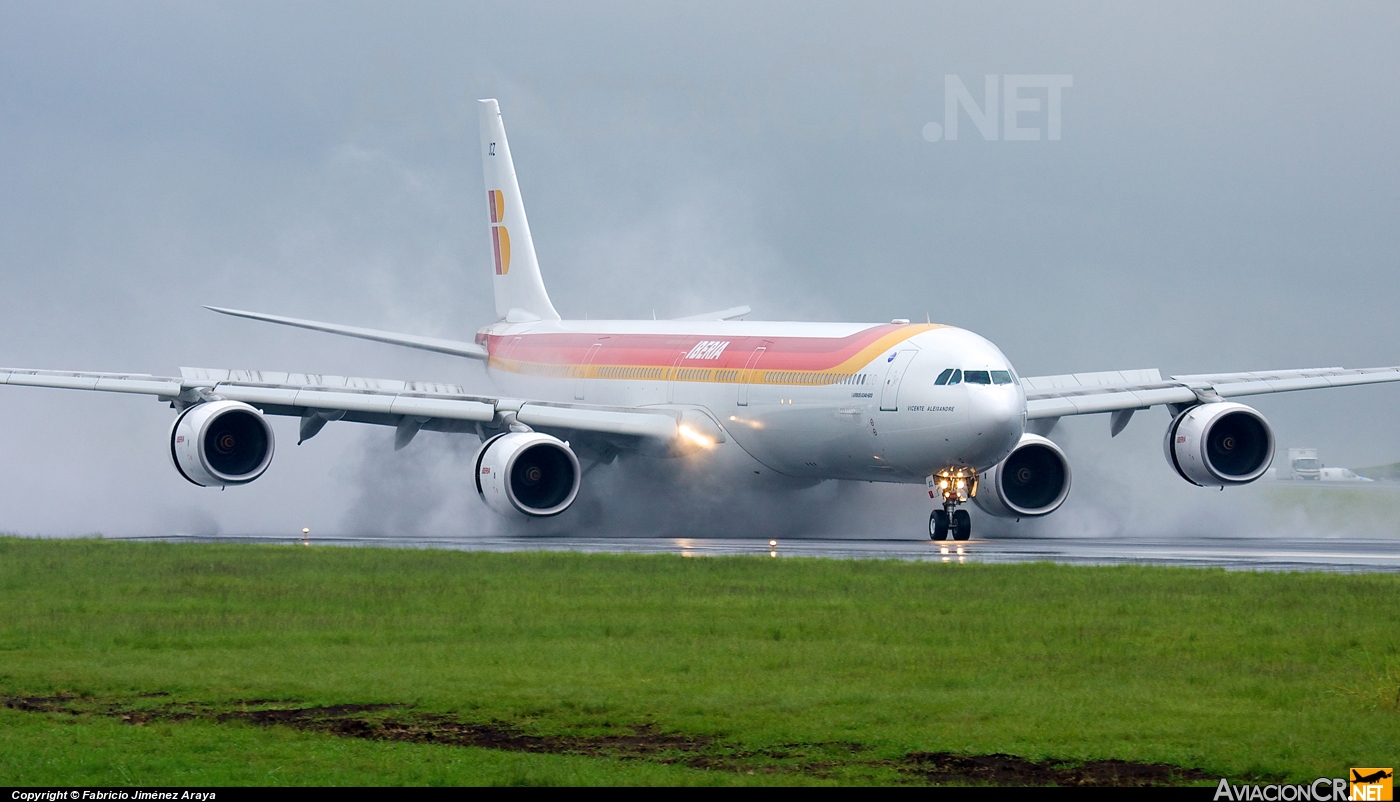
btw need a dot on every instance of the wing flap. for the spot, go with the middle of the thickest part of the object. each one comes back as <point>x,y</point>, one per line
<point>139,383</point>
<point>1057,406</point>
<point>1111,391</point>
<point>453,408</point>
<point>372,401</point>
<point>1230,385</point>
<point>655,425</point>
<point>382,401</point>
<point>1075,381</point>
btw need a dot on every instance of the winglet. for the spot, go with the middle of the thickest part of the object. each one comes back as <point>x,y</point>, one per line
<point>519,287</point>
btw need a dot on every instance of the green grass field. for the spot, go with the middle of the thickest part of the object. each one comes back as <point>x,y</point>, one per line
<point>209,664</point>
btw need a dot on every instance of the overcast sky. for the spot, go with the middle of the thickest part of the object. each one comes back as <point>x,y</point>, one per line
<point>1223,195</point>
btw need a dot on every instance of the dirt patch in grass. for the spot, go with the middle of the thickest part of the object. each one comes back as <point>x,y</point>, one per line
<point>351,721</point>
<point>944,767</point>
<point>383,722</point>
<point>398,722</point>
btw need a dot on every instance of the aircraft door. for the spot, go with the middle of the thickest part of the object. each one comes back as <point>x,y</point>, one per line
<point>894,374</point>
<point>671,378</point>
<point>748,371</point>
<point>583,371</point>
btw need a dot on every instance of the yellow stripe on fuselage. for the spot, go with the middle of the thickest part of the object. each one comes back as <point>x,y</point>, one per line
<point>836,374</point>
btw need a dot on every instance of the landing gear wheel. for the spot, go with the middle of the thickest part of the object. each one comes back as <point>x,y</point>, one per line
<point>938,525</point>
<point>960,528</point>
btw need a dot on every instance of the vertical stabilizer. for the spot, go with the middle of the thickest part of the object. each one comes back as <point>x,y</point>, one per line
<point>520,293</point>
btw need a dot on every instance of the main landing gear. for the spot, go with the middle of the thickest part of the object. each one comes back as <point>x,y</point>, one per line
<point>953,486</point>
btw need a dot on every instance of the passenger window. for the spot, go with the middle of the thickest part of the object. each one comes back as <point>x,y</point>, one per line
<point>957,377</point>
<point>1001,377</point>
<point>977,377</point>
<point>944,377</point>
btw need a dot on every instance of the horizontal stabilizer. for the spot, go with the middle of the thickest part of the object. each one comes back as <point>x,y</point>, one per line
<point>454,347</point>
<point>723,314</point>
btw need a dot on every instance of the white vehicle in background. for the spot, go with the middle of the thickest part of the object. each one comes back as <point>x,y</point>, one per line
<point>923,404</point>
<point>1304,466</point>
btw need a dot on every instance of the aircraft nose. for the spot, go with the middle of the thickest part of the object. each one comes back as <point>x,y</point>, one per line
<point>995,420</point>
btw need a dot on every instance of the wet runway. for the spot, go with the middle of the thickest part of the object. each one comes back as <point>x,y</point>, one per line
<point>1265,554</point>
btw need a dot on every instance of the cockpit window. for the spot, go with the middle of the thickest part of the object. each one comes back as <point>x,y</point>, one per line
<point>957,377</point>
<point>1001,377</point>
<point>944,377</point>
<point>977,377</point>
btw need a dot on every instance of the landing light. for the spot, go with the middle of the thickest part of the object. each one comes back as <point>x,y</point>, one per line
<point>695,437</point>
<point>954,485</point>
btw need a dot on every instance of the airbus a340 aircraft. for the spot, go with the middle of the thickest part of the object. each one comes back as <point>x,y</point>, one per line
<point>892,402</point>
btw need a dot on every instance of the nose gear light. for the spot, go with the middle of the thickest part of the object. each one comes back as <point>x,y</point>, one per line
<point>953,486</point>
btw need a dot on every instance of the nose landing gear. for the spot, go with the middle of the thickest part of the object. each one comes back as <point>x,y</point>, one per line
<point>945,526</point>
<point>953,486</point>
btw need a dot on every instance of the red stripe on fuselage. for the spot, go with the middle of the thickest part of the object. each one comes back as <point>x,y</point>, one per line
<point>661,350</point>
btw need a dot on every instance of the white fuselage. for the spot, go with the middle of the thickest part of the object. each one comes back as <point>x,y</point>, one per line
<point>808,400</point>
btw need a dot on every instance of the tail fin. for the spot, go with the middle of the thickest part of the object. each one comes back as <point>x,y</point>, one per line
<point>520,293</point>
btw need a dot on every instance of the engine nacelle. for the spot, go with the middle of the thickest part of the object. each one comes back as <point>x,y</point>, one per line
<point>221,443</point>
<point>527,473</point>
<point>1219,443</point>
<point>1032,481</point>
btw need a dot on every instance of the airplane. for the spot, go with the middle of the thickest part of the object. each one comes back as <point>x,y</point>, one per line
<point>1374,777</point>
<point>801,402</point>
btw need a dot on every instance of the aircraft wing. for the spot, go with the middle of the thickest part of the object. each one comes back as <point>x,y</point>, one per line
<point>405,404</point>
<point>454,347</point>
<point>1118,391</point>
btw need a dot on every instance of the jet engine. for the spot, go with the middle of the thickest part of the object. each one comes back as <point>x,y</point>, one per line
<point>1220,443</point>
<point>530,473</point>
<point>1032,481</point>
<point>221,443</point>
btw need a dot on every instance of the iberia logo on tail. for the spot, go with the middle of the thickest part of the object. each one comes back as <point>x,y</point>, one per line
<point>500,238</point>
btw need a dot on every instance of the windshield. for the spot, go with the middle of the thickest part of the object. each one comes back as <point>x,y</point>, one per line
<point>1306,465</point>
<point>956,376</point>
